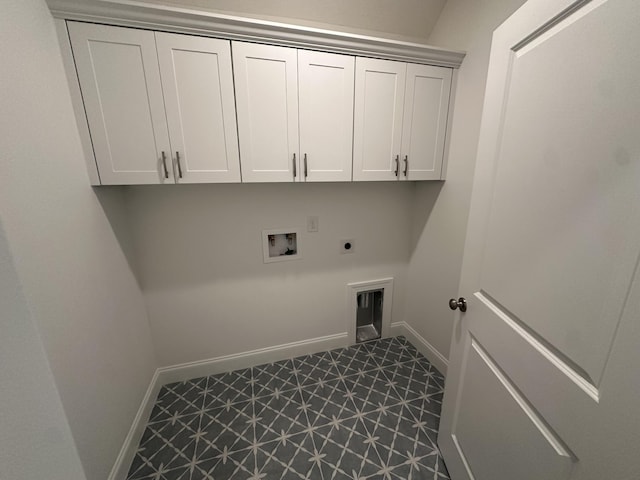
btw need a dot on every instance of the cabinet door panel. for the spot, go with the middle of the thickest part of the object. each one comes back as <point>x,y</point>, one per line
<point>120,82</point>
<point>425,121</point>
<point>267,101</point>
<point>379,100</point>
<point>197,81</point>
<point>326,83</point>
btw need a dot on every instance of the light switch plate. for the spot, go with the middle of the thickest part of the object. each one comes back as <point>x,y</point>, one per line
<point>312,224</point>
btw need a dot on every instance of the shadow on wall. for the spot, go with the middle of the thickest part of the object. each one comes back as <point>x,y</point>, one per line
<point>425,197</point>
<point>112,200</point>
<point>190,228</point>
<point>201,234</point>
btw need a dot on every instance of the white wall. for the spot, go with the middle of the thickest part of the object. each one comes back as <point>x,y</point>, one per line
<point>35,440</point>
<point>77,283</point>
<point>201,268</point>
<point>198,250</point>
<point>441,211</point>
<point>399,19</point>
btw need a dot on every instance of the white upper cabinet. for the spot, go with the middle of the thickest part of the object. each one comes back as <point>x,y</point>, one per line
<point>325,88</point>
<point>426,104</point>
<point>197,81</point>
<point>120,81</point>
<point>379,100</point>
<point>160,106</point>
<point>295,114</point>
<point>400,120</point>
<point>174,108</point>
<point>267,102</point>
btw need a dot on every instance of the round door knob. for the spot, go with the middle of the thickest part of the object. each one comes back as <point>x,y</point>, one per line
<point>461,303</point>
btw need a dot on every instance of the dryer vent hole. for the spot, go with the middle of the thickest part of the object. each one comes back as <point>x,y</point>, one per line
<point>369,315</point>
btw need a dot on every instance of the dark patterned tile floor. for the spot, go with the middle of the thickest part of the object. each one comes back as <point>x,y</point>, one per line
<point>370,411</point>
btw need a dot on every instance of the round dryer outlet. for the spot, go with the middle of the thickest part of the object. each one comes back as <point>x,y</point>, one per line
<point>347,246</point>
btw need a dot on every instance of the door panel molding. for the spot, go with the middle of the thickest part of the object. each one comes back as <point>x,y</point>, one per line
<point>538,421</point>
<point>569,15</point>
<point>548,351</point>
<point>494,418</point>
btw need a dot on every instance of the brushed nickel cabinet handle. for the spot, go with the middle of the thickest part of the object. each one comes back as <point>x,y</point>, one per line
<point>178,162</point>
<point>406,165</point>
<point>305,165</point>
<point>397,164</point>
<point>295,168</point>
<point>164,165</point>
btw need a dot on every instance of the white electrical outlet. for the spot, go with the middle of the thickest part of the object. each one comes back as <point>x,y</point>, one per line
<point>347,246</point>
<point>312,224</point>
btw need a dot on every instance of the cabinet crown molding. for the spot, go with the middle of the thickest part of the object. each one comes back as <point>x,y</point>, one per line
<point>197,22</point>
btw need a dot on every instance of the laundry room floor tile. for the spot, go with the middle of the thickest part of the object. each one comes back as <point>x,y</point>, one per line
<point>370,411</point>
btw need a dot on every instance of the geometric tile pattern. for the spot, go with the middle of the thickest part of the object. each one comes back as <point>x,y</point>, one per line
<point>370,411</point>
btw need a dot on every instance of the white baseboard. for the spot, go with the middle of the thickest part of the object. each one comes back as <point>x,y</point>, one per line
<point>227,363</point>
<point>424,347</point>
<point>397,328</point>
<point>131,441</point>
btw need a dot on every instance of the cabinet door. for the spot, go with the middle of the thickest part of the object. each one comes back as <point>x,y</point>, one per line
<point>267,102</point>
<point>120,82</point>
<point>426,105</point>
<point>379,100</point>
<point>325,85</point>
<point>197,82</point>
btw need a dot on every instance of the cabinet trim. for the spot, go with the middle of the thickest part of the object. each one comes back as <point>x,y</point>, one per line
<point>129,13</point>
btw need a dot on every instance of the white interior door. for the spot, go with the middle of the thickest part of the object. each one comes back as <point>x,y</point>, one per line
<point>377,135</point>
<point>197,82</point>
<point>266,82</point>
<point>543,381</point>
<point>325,86</point>
<point>426,105</point>
<point>120,82</point>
